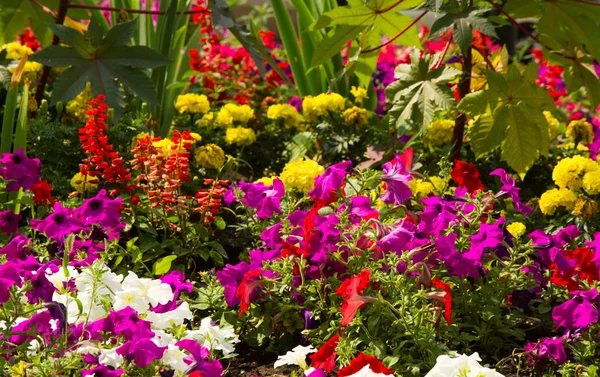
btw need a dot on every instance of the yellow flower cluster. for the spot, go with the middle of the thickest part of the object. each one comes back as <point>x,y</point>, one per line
<point>78,105</point>
<point>314,107</point>
<point>240,136</point>
<point>210,156</point>
<point>359,93</point>
<point>569,172</point>
<point>421,188</point>
<point>552,123</point>
<point>580,130</point>
<point>301,174</point>
<point>356,116</point>
<point>439,132</point>
<point>166,146</point>
<point>552,199</point>
<point>15,50</point>
<point>83,183</point>
<point>206,120</point>
<point>192,103</point>
<point>289,114</point>
<point>591,182</point>
<point>517,229</point>
<point>267,181</point>
<point>234,113</point>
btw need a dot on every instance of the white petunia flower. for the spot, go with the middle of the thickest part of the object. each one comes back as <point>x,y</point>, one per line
<point>367,372</point>
<point>173,357</point>
<point>169,319</point>
<point>297,356</point>
<point>110,357</point>
<point>214,337</point>
<point>154,291</point>
<point>60,277</point>
<point>130,297</point>
<point>100,278</point>
<point>461,365</point>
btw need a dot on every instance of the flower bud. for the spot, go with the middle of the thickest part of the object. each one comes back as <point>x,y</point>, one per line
<point>585,208</point>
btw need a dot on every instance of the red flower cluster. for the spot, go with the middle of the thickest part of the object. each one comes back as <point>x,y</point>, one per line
<point>42,193</point>
<point>27,38</point>
<point>585,269</point>
<point>324,358</point>
<point>101,159</point>
<point>209,200</point>
<point>550,76</point>
<point>467,176</point>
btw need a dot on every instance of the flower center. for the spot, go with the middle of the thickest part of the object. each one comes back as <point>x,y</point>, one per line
<point>95,205</point>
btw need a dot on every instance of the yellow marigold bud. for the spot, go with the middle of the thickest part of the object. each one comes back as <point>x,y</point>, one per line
<point>83,183</point>
<point>591,182</point>
<point>552,124</point>
<point>580,131</point>
<point>210,156</point>
<point>355,116</point>
<point>554,198</point>
<point>585,208</point>
<point>289,114</point>
<point>420,188</point>
<point>439,132</point>
<point>517,229</point>
<point>240,136</point>
<point>569,172</point>
<point>267,181</point>
<point>359,93</point>
<point>192,103</point>
<point>301,174</point>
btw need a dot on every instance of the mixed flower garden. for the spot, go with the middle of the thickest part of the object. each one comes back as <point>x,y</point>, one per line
<point>378,188</point>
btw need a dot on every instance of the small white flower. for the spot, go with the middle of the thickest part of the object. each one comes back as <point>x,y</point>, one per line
<point>162,338</point>
<point>169,319</point>
<point>99,277</point>
<point>60,277</point>
<point>110,357</point>
<point>367,372</point>
<point>447,366</point>
<point>173,357</point>
<point>214,337</point>
<point>130,297</point>
<point>154,291</point>
<point>297,356</point>
<point>91,309</point>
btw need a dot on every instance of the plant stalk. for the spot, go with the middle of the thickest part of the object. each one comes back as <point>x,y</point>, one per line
<point>464,87</point>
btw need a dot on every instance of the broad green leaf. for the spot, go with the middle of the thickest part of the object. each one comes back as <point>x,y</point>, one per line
<point>487,133</point>
<point>334,42</point>
<point>163,265</point>
<point>104,61</point>
<point>16,14</point>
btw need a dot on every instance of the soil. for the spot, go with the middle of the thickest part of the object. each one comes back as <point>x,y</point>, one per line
<point>251,363</point>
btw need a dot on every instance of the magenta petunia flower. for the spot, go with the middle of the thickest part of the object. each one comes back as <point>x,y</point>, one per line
<point>16,248</point>
<point>10,276</point>
<point>509,189</point>
<point>59,224</point>
<point>24,172</point>
<point>230,278</point>
<point>142,351</point>
<point>398,239</point>
<point>360,209</point>
<point>548,252</point>
<point>578,312</point>
<point>566,236</point>
<point>595,245</point>
<point>9,222</point>
<point>127,323</point>
<point>466,263</point>
<point>102,371</point>
<point>198,359</point>
<point>265,199</point>
<point>272,236</point>
<point>436,215</point>
<point>176,280</point>
<point>547,348</point>
<point>332,179</point>
<point>489,236</point>
<point>100,210</point>
<point>324,238</point>
<point>396,178</point>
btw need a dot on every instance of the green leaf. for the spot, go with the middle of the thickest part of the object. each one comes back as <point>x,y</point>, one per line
<point>419,91</point>
<point>163,265</point>
<point>104,61</point>
<point>16,14</point>
<point>334,42</point>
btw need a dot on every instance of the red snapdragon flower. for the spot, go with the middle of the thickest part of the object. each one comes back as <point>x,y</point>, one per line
<point>351,290</point>
<point>467,175</point>
<point>42,193</point>
<point>585,269</point>
<point>324,358</point>
<point>360,362</point>
<point>447,298</point>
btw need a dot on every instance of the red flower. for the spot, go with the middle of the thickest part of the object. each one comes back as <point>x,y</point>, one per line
<point>351,290</point>
<point>585,269</point>
<point>42,193</point>
<point>135,200</point>
<point>245,289</point>
<point>447,298</point>
<point>360,362</point>
<point>325,356</point>
<point>467,175</point>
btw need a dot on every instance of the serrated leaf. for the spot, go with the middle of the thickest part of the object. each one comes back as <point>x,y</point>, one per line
<point>486,134</point>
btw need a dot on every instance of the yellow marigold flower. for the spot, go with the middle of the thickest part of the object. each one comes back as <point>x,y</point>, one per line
<point>28,68</point>
<point>210,156</point>
<point>359,93</point>
<point>420,188</point>
<point>206,120</point>
<point>83,183</point>
<point>234,113</point>
<point>267,181</point>
<point>192,103</point>
<point>591,182</point>
<point>224,118</point>
<point>517,229</point>
<point>554,198</point>
<point>585,208</point>
<point>78,105</point>
<point>356,116</point>
<point>240,136</point>
<point>15,50</point>
<point>439,132</point>
<point>580,130</point>
<point>438,183</point>
<point>569,172</point>
<point>553,125</point>
<point>301,174</point>
<point>289,114</point>
<point>314,107</point>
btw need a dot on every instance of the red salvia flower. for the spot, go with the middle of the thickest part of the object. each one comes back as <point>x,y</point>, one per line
<point>351,290</point>
<point>446,298</point>
<point>360,362</point>
<point>324,358</point>
<point>42,193</point>
<point>467,175</point>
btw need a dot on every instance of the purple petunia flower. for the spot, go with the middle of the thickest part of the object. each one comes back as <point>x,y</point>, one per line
<point>360,209</point>
<point>324,239</point>
<point>436,215</point>
<point>330,181</point>
<point>10,275</point>
<point>509,189</point>
<point>16,248</point>
<point>272,236</point>
<point>100,210</point>
<point>265,199</point>
<point>198,359</point>
<point>565,236</point>
<point>142,351</point>
<point>230,277</point>
<point>577,312</point>
<point>59,224</point>
<point>489,236</point>
<point>9,222</point>
<point>24,172</point>
<point>466,263</point>
<point>102,371</point>
<point>547,348</point>
<point>548,252</point>
<point>397,240</point>
<point>396,178</point>
<point>296,102</point>
<point>176,280</point>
